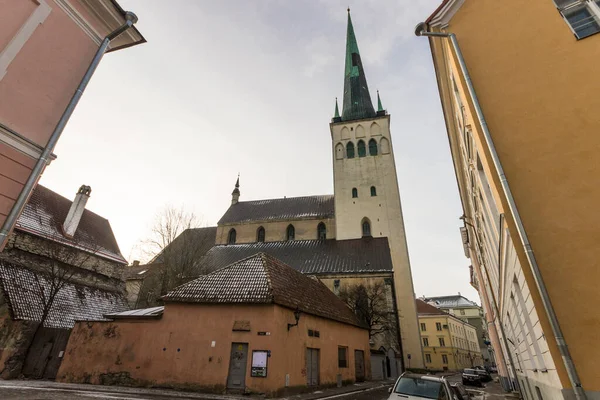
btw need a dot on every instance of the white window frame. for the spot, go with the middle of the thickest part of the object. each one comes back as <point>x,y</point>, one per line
<point>592,6</point>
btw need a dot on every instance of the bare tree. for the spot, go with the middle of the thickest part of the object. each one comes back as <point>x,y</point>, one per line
<point>370,304</point>
<point>174,246</point>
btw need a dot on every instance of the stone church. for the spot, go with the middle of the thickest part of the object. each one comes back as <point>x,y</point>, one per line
<point>355,236</point>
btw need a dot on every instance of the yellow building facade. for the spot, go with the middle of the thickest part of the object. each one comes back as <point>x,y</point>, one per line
<point>519,91</point>
<point>449,343</point>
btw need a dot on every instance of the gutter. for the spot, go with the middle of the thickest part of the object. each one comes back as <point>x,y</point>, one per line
<point>421,30</point>
<point>46,155</point>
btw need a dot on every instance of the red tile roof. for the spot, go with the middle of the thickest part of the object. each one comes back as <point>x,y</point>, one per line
<point>426,309</point>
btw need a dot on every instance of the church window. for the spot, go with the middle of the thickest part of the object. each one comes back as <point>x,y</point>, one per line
<point>290,233</point>
<point>373,191</point>
<point>231,236</point>
<point>362,150</point>
<point>321,231</point>
<point>354,193</point>
<point>366,227</point>
<point>260,234</point>
<point>384,145</point>
<point>372,147</point>
<point>350,150</point>
<point>339,151</point>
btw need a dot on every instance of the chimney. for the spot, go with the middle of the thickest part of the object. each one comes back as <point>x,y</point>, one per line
<point>136,263</point>
<point>76,210</point>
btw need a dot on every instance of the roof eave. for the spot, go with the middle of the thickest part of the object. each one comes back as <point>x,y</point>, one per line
<point>444,13</point>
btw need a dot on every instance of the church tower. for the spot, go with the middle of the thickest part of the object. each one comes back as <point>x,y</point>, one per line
<point>367,198</point>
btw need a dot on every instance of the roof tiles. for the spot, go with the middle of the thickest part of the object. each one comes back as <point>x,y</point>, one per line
<point>263,279</point>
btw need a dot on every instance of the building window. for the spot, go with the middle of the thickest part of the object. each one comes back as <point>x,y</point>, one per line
<point>362,149</point>
<point>366,227</point>
<point>260,234</point>
<point>442,342</point>
<point>539,393</point>
<point>231,236</point>
<point>343,357</point>
<point>425,342</point>
<point>350,150</point>
<point>321,231</point>
<point>336,286</point>
<point>373,191</point>
<point>354,193</point>
<point>582,16</point>
<point>438,326</point>
<point>462,312</point>
<point>372,147</point>
<point>290,232</point>
<point>423,327</point>
<point>444,359</point>
<point>428,358</point>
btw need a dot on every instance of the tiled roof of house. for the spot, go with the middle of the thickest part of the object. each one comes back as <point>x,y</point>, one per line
<point>364,255</point>
<point>45,212</point>
<point>22,290</point>
<point>454,301</point>
<point>291,208</point>
<point>263,279</point>
<point>139,272</point>
<point>427,309</point>
<point>195,241</point>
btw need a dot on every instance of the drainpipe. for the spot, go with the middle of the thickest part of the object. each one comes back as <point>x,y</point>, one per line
<point>421,30</point>
<point>37,170</point>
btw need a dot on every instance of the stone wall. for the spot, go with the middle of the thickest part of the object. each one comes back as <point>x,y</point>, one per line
<point>275,231</point>
<point>15,338</point>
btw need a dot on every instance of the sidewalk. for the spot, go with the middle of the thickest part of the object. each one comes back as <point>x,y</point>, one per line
<point>166,393</point>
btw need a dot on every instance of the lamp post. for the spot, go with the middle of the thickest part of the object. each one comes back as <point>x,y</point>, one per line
<point>297,317</point>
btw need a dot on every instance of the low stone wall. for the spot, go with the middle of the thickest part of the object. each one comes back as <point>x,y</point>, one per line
<point>15,339</point>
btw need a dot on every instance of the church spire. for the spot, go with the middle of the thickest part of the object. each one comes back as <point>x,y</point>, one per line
<point>336,115</point>
<point>235,195</point>
<point>357,100</point>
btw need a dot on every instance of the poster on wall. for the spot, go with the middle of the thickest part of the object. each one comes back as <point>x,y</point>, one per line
<point>259,363</point>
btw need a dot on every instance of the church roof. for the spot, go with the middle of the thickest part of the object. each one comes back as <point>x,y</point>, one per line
<point>452,301</point>
<point>290,208</point>
<point>263,279</point>
<point>357,100</point>
<point>366,255</point>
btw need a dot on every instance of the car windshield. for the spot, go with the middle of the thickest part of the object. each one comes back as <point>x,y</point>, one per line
<point>420,388</point>
<point>470,371</point>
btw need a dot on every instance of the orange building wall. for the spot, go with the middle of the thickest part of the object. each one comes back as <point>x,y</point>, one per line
<point>538,88</point>
<point>15,168</point>
<point>136,348</point>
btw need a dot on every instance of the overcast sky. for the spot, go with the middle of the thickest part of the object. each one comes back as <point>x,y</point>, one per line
<point>224,87</point>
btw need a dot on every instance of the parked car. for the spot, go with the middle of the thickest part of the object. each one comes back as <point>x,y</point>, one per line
<point>415,386</point>
<point>493,369</point>
<point>460,392</point>
<point>485,376</point>
<point>471,377</point>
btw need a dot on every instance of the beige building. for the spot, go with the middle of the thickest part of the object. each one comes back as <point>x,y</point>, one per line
<point>449,343</point>
<point>521,115</point>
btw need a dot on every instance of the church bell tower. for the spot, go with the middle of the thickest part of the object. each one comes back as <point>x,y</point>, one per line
<point>367,198</point>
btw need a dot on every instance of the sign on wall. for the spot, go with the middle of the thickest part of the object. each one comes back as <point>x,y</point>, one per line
<point>259,363</point>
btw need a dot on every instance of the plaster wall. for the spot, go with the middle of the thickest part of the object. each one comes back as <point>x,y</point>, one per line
<point>275,231</point>
<point>177,350</point>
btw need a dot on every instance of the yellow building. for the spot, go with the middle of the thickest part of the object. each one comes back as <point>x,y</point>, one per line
<point>519,91</point>
<point>449,343</point>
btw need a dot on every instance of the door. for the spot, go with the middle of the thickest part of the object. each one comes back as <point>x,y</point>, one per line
<point>237,366</point>
<point>312,367</point>
<point>45,353</point>
<point>359,365</point>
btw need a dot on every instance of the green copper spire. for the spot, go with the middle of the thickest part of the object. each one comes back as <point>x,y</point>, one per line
<point>379,106</point>
<point>357,100</point>
<point>337,110</point>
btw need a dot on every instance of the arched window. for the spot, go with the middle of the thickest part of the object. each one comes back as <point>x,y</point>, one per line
<point>372,147</point>
<point>385,146</point>
<point>366,227</point>
<point>260,234</point>
<point>231,236</point>
<point>321,231</point>
<point>354,193</point>
<point>290,232</point>
<point>373,191</point>
<point>362,150</point>
<point>339,151</point>
<point>350,150</point>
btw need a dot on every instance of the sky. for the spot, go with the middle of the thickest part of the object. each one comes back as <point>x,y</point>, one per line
<point>249,87</point>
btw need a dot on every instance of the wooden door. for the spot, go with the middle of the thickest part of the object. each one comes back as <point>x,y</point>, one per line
<point>359,365</point>
<point>312,367</point>
<point>237,366</point>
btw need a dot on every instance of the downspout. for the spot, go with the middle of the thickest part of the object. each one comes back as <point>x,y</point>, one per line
<point>421,30</point>
<point>37,170</point>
